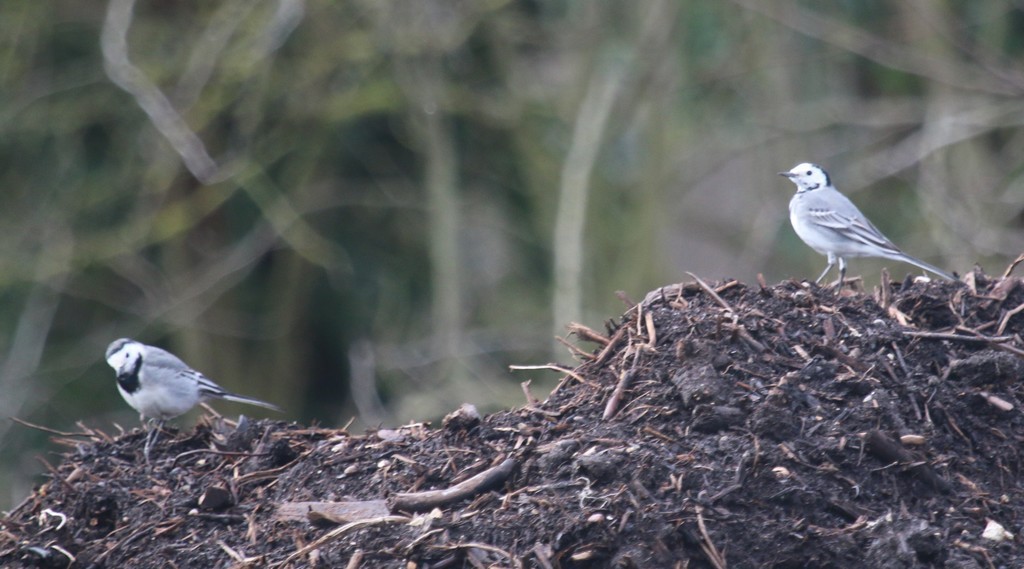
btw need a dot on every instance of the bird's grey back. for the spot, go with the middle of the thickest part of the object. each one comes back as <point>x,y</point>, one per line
<point>829,198</point>
<point>160,358</point>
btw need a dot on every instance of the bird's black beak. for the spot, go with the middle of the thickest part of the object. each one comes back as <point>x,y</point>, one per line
<point>787,174</point>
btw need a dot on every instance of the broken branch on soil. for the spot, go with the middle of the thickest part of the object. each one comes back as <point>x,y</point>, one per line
<point>612,406</point>
<point>957,337</point>
<point>484,547</point>
<point>742,333</point>
<point>272,473</point>
<point>25,423</point>
<point>356,560</point>
<point>333,512</point>
<point>998,342</point>
<point>543,554</point>
<point>129,539</point>
<point>1013,265</point>
<point>612,344</point>
<point>621,295</point>
<point>657,434</point>
<point>886,292</point>
<point>217,452</point>
<point>711,292</point>
<point>890,451</point>
<point>574,349</point>
<point>1006,318</point>
<point>430,499</point>
<point>552,367</point>
<point>652,332</point>
<point>531,399</point>
<point>587,334</point>
<point>555,367</point>
<point>716,558</point>
<point>996,401</point>
<point>338,532</point>
<point>671,295</point>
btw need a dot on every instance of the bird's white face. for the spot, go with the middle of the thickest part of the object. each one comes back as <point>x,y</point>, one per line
<point>807,177</point>
<point>123,354</point>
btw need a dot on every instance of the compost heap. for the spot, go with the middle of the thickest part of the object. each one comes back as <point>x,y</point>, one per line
<point>713,425</point>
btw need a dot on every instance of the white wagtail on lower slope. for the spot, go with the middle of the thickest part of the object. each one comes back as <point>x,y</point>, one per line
<point>830,224</point>
<point>160,386</point>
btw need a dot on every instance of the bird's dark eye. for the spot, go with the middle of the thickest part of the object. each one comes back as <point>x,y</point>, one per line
<point>808,172</point>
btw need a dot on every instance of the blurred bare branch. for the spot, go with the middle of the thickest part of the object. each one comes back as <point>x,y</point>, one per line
<point>34,323</point>
<point>363,383</point>
<point>588,134</point>
<point>161,112</point>
<point>423,79</point>
<point>286,18</point>
<point>277,208</point>
<point>26,348</point>
<point>165,118</point>
<point>958,125</point>
<point>223,25</point>
<point>207,50</point>
<point>857,40</point>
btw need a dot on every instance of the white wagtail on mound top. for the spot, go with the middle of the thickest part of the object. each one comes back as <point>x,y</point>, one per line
<point>831,225</point>
<point>160,386</point>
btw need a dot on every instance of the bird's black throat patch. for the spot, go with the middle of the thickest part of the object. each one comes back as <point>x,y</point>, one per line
<point>129,379</point>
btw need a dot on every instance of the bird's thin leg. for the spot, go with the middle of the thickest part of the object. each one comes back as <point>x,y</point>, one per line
<point>842,275</point>
<point>831,263</point>
<point>151,437</point>
<point>149,443</point>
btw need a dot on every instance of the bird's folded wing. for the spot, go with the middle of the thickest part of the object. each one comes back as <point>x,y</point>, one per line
<point>857,229</point>
<point>206,385</point>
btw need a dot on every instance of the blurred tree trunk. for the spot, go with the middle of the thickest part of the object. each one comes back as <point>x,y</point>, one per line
<point>574,191</point>
<point>422,76</point>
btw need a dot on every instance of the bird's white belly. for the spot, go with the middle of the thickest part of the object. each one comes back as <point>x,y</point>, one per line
<point>813,237</point>
<point>158,403</point>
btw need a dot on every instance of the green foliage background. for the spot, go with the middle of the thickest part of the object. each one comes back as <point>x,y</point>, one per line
<point>370,208</point>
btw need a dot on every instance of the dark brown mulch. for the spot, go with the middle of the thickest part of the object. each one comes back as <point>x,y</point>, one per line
<point>713,425</point>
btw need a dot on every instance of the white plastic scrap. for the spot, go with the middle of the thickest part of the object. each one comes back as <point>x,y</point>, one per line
<point>995,532</point>
<point>48,513</point>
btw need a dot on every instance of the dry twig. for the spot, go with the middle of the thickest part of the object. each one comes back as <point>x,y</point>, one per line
<point>585,333</point>
<point>1013,265</point>
<point>711,292</point>
<point>334,512</point>
<point>337,533</point>
<point>712,553</point>
<point>612,344</point>
<point>430,499</point>
<point>52,431</point>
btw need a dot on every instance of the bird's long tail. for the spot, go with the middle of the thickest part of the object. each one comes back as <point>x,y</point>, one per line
<point>921,264</point>
<point>249,401</point>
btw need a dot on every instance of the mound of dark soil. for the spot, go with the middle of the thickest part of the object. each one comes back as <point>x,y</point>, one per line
<point>713,426</point>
